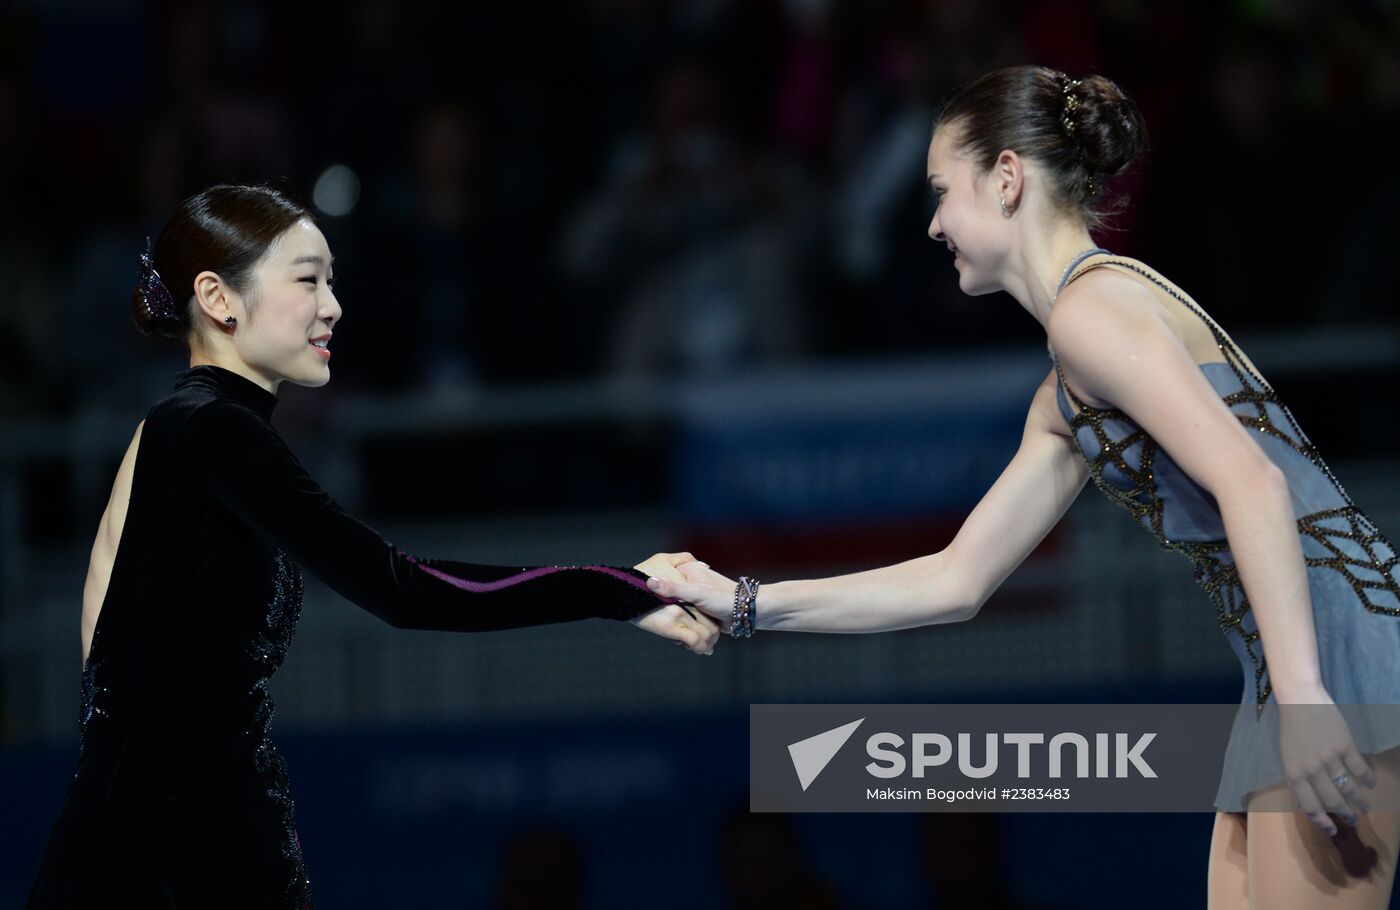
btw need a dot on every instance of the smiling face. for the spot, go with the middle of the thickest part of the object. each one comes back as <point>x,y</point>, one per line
<point>292,308</point>
<point>968,218</point>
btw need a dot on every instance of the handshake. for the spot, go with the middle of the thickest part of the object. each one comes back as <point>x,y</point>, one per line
<point>706,607</point>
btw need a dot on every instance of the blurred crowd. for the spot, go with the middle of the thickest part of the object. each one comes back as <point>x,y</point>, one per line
<point>528,192</point>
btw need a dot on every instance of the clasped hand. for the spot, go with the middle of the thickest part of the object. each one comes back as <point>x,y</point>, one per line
<point>687,627</point>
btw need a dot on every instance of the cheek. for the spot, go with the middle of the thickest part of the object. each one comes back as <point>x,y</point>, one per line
<point>285,318</point>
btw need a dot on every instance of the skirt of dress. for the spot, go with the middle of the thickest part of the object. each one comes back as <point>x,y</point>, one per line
<point>135,830</point>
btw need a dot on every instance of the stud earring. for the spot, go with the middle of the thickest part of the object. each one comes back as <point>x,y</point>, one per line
<point>230,321</point>
<point>1004,210</point>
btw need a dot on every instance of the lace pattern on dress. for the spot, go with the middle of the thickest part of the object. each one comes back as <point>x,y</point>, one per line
<point>268,648</point>
<point>1367,564</point>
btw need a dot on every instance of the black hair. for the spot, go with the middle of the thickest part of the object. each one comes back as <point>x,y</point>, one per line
<point>1081,131</point>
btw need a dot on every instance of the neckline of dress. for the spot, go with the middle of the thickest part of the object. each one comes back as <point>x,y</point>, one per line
<point>1074,263</point>
<point>234,386</point>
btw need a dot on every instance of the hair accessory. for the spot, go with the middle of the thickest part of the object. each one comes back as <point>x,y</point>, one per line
<point>1067,120</point>
<point>154,294</point>
<point>741,622</point>
<point>1071,102</point>
<point>230,321</point>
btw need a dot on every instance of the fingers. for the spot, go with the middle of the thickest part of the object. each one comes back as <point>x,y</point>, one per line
<point>1309,803</point>
<point>665,587</point>
<point>660,566</point>
<point>1359,768</point>
<point>699,642</point>
<point>1331,799</point>
<point>1348,782</point>
<point>700,573</point>
<point>685,635</point>
<point>677,559</point>
<point>1332,790</point>
<point>670,621</point>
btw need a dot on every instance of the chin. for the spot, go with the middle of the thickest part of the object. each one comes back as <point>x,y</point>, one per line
<point>972,289</point>
<point>311,379</point>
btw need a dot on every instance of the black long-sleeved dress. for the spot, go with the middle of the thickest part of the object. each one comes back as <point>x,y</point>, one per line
<point>180,798</point>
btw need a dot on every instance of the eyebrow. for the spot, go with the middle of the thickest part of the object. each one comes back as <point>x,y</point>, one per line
<point>314,260</point>
<point>931,178</point>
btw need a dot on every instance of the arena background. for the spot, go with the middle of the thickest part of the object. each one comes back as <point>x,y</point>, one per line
<point>635,275</point>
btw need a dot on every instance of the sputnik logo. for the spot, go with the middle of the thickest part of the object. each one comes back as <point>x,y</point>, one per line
<point>811,755</point>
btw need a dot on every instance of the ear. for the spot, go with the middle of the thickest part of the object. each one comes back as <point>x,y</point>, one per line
<point>215,297</point>
<point>1009,177</point>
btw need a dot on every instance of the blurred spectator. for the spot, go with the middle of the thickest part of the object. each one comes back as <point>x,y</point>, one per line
<point>690,231</point>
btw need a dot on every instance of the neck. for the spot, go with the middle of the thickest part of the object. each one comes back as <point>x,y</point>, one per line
<point>1036,271</point>
<point>235,365</point>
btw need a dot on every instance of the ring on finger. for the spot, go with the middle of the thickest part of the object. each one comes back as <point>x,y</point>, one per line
<point>1341,780</point>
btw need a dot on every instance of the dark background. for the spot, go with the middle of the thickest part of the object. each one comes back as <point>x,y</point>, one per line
<point>557,228</point>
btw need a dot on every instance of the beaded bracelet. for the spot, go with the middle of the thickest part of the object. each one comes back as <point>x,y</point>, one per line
<point>741,623</point>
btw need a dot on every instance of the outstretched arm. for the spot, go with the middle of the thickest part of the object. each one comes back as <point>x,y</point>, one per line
<point>243,464</point>
<point>1026,501</point>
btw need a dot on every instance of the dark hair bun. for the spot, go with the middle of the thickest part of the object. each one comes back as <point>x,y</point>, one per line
<point>225,229</point>
<point>152,315</point>
<point>1108,126</point>
<point>150,324</point>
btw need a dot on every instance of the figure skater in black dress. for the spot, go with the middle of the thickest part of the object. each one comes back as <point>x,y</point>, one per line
<point>180,799</point>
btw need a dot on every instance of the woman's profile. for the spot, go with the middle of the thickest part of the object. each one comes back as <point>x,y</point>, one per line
<point>1149,398</point>
<point>194,589</point>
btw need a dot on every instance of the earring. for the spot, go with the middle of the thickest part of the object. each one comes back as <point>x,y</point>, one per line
<point>1004,210</point>
<point>230,321</point>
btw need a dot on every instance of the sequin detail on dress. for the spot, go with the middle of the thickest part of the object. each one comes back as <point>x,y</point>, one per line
<point>268,648</point>
<point>1356,549</point>
<point>88,707</point>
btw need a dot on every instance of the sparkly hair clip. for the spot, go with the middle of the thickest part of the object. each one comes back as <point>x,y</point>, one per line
<point>154,294</point>
<point>1071,102</point>
<point>1071,106</point>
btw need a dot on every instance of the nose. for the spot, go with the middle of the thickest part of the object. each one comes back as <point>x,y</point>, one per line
<point>935,230</point>
<point>330,308</point>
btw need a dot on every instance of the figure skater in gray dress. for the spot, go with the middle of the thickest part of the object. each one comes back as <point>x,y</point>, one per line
<point>1148,397</point>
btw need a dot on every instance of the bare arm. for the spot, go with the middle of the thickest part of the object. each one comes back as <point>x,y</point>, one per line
<point>951,585</point>
<point>1114,345</point>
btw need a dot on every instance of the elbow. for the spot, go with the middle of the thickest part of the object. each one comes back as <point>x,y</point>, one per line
<point>965,610</point>
<point>1261,479</point>
<point>960,604</point>
<point>1268,476</point>
<point>957,597</point>
<point>1250,483</point>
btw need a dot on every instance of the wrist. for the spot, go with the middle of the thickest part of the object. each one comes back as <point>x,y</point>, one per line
<point>773,611</point>
<point>1306,691</point>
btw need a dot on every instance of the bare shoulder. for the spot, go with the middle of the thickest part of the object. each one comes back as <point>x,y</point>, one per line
<point>1103,318</point>
<point>1099,300</point>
